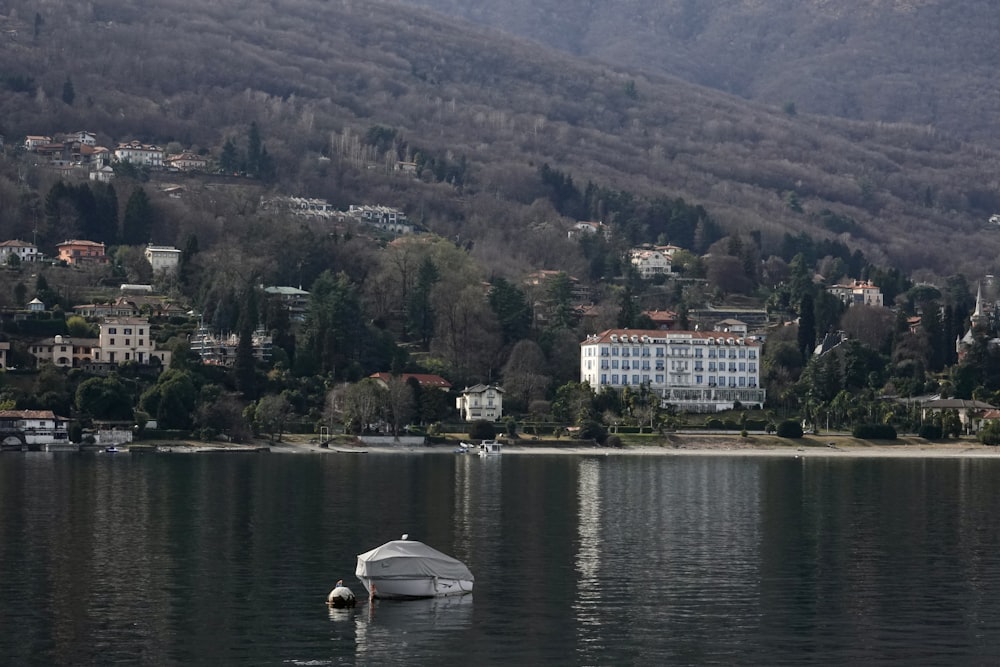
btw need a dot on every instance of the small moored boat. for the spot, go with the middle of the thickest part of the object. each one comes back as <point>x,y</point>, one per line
<point>490,448</point>
<point>405,568</point>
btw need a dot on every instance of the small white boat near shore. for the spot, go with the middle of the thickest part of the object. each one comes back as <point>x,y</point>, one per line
<point>490,448</point>
<point>404,568</point>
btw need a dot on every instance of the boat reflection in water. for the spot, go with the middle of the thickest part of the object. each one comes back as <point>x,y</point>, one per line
<point>389,631</point>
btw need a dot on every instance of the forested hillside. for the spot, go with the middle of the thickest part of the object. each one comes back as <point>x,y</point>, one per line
<point>484,114</point>
<point>918,61</point>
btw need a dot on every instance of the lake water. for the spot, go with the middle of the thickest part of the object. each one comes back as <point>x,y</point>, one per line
<point>227,559</point>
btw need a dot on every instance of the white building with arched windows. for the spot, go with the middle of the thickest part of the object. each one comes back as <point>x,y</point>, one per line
<point>695,371</point>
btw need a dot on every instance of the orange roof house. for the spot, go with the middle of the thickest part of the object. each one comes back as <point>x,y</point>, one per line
<point>82,252</point>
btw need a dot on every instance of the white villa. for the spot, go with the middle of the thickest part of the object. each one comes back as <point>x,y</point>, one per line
<point>697,371</point>
<point>128,339</point>
<point>139,154</point>
<point>22,428</point>
<point>480,402</point>
<point>651,262</point>
<point>26,252</point>
<point>162,257</point>
<point>857,292</point>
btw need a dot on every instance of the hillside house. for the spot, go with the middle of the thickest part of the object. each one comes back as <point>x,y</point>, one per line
<point>857,292</point>
<point>33,141</point>
<point>295,300</point>
<point>163,258</point>
<point>650,262</point>
<point>26,252</point>
<point>128,339</point>
<point>730,325</point>
<point>586,228</point>
<point>186,162</point>
<point>480,402</point>
<point>140,154</point>
<point>64,351</point>
<point>78,252</point>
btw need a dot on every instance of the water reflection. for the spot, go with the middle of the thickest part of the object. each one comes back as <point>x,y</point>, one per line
<point>395,631</point>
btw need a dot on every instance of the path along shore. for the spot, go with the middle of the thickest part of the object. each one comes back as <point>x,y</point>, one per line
<point>687,445</point>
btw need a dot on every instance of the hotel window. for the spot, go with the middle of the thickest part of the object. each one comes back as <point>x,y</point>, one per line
<point>624,379</point>
<point>743,367</point>
<point>635,378</point>
<point>635,352</point>
<point>711,367</point>
<point>128,332</point>
<point>614,379</point>
<point>659,379</point>
<point>112,331</point>
<point>604,363</point>
<point>645,379</point>
<point>698,353</point>
<point>753,368</point>
<point>711,353</point>
<point>614,363</point>
<point>624,351</point>
<point>645,365</point>
<point>753,354</point>
<point>659,351</point>
<point>697,379</point>
<point>743,353</point>
<point>743,382</point>
<point>604,378</point>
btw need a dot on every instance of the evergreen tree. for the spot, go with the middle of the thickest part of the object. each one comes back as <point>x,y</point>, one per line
<point>254,150</point>
<point>88,221</point>
<point>68,94</point>
<point>512,310</point>
<point>807,326</point>
<point>137,224</point>
<point>420,313</point>
<point>628,311</point>
<point>107,213</point>
<point>229,159</point>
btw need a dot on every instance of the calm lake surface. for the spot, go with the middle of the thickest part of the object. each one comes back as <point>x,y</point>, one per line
<point>227,559</point>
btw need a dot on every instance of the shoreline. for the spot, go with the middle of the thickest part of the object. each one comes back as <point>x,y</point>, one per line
<point>693,446</point>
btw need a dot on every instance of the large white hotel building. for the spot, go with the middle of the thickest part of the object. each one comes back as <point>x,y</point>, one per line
<point>696,371</point>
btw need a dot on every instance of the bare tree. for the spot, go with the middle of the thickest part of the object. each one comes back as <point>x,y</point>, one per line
<point>363,403</point>
<point>400,404</point>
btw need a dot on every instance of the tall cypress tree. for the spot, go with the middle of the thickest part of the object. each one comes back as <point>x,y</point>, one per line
<point>807,326</point>
<point>137,224</point>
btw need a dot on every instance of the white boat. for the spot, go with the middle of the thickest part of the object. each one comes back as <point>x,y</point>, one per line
<point>405,568</point>
<point>490,448</point>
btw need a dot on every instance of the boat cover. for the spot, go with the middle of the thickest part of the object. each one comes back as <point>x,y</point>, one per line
<point>407,559</point>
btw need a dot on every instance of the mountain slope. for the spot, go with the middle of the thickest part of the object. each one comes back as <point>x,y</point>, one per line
<point>314,74</point>
<point>917,61</point>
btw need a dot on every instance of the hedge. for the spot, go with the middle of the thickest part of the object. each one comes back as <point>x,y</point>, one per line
<point>874,432</point>
<point>790,428</point>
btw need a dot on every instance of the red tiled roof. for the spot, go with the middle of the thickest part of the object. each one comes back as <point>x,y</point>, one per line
<point>425,379</point>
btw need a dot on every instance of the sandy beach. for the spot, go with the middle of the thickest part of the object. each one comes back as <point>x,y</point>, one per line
<point>687,445</point>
